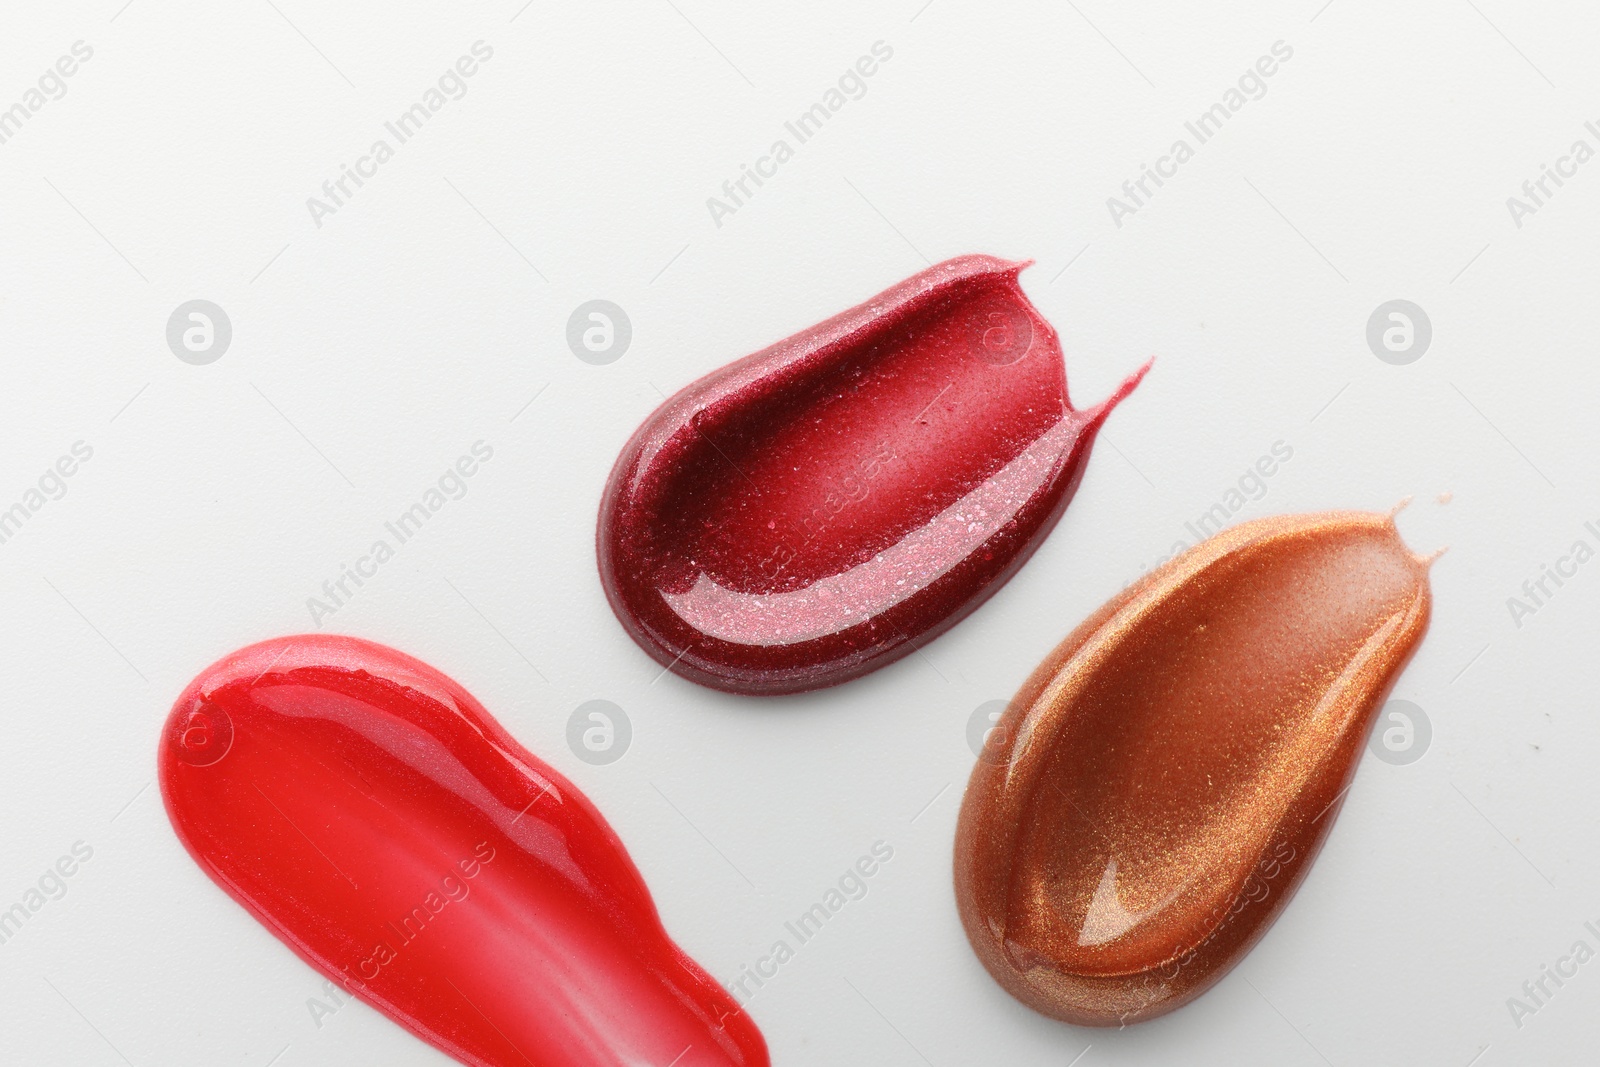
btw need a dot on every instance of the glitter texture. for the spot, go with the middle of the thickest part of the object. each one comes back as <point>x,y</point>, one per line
<point>818,509</point>
<point>1157,790</point>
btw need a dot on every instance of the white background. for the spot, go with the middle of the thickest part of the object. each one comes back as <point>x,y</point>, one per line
<point>370,352</point>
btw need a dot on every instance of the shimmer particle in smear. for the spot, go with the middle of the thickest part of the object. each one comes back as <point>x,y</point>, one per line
<point>1163,781</point>
<point>374,817</point>
<point>823,507</point>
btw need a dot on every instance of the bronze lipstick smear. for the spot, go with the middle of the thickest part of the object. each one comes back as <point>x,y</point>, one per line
<point>1163,781</point>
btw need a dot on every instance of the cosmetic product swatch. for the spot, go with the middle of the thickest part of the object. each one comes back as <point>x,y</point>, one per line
<point>822,507</point>
<point>373,816</point>
<point>1159,787</point>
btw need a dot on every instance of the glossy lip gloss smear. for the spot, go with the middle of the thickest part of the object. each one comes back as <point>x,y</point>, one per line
<point>373,816</point>
<point>1157,790</point>
<point>820,508</point>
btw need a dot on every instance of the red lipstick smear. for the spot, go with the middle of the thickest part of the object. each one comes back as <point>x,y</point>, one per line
<point>818,509</point>
<point>1160,786</point>
<point>371,814</point>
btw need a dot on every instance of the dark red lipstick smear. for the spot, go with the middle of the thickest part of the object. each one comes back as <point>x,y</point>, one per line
<point>820,508</point>
<point>372,815</point>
